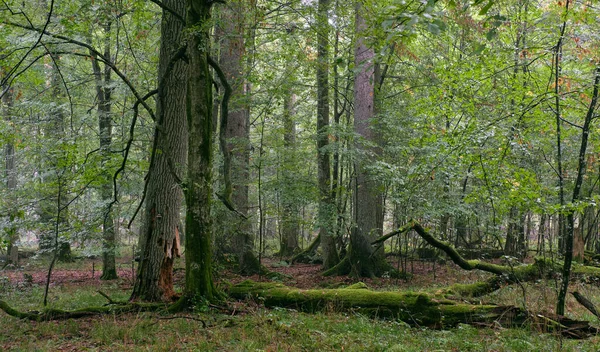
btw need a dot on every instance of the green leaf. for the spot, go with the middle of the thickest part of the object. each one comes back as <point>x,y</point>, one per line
<point>433,28</point>
<point>486,8</point>
<point>491,34</point>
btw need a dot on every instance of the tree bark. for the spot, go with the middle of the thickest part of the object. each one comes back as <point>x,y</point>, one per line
<point>581,169</point>
<point>327,209</point>
<point>237,134</point>
<point>198,193</point>
<point>11,180</point>
<point>367,196</point>
<point>103,96</point>
<point>161,229</point>
<point>290,226</point>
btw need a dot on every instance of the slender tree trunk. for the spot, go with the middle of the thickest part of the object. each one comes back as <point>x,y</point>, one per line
<point>581,169</point>
<point>103,95</point>
<point>327,209</point>
<point>290,224</point>
<point>162,220</point>
<point>11,180</point>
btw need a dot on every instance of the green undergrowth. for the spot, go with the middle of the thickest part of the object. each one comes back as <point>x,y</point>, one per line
<point>267,330</point>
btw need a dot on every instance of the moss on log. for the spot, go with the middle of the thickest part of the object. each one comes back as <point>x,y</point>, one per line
<point>505,274</point>
<point>414,308</point>
<point>59,314</point>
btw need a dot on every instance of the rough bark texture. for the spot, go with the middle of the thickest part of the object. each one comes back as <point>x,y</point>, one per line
<point>237,134</point>
<point>161,228</point>
<point>367,196</point>
<point>414,308</point>
<point>327,209</point>
<point>198,194</point>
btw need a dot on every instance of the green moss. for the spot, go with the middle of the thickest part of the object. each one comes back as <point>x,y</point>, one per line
<point>357,286</point>
<point>411,307</point>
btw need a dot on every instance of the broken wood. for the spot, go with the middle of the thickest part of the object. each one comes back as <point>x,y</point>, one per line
<point>414,308</point>
<point>586,303</point>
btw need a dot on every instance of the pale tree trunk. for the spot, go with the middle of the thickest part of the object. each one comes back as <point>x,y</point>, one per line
<point>327,208</point>
<point>11,179</point>
<point>367,195</point>
<point>290,226</point>
<point>237,132</point>
<point>161,228</point>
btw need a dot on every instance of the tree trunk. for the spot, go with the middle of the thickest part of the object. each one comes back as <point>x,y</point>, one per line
<point>50,239</point>
<point>10,170</point>
<point>198,193</point>
<point>290,226</point>
<point>103,95</point>
<point>581,169</point>
<point>367,195</point>
<point>162,219</point>
<point>327,210</point>
<point>237,134</point>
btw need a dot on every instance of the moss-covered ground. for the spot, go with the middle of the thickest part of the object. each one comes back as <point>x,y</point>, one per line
<point>248,326</point>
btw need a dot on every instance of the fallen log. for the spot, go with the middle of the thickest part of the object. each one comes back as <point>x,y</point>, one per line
<point>414,308</point>
<point>50,314</point>
<point>505,274</point>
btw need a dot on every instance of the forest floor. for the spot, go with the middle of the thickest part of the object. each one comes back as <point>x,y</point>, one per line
<point>250,327</point>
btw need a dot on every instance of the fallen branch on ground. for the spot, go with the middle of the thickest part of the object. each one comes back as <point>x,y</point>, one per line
<point>414,308</point>
<point>505,274</point>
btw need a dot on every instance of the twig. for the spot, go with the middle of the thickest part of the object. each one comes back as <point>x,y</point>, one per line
<point>110,300</point>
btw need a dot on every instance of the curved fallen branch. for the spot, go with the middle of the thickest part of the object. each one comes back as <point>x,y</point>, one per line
<point>414,308</point>
<point>505,274</point>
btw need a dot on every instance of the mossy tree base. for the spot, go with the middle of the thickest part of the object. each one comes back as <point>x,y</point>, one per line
<point>419,309</point>
<point>308,255</point>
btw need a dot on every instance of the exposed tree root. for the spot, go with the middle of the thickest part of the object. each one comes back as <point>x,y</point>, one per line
<point>308,255</point>
<point>419,309</point>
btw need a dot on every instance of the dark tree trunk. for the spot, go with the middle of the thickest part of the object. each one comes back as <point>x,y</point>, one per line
<point>327,209</point>
<point>198,192</point>
<point>581,169</point>
<point>103,96</point>
<point>161,228</point>
<point>290,226</point>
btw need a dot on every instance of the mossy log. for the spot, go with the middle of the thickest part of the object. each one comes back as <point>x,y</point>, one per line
<point>505,274</point>
<point>50,314</point>
<point>414,308</point>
